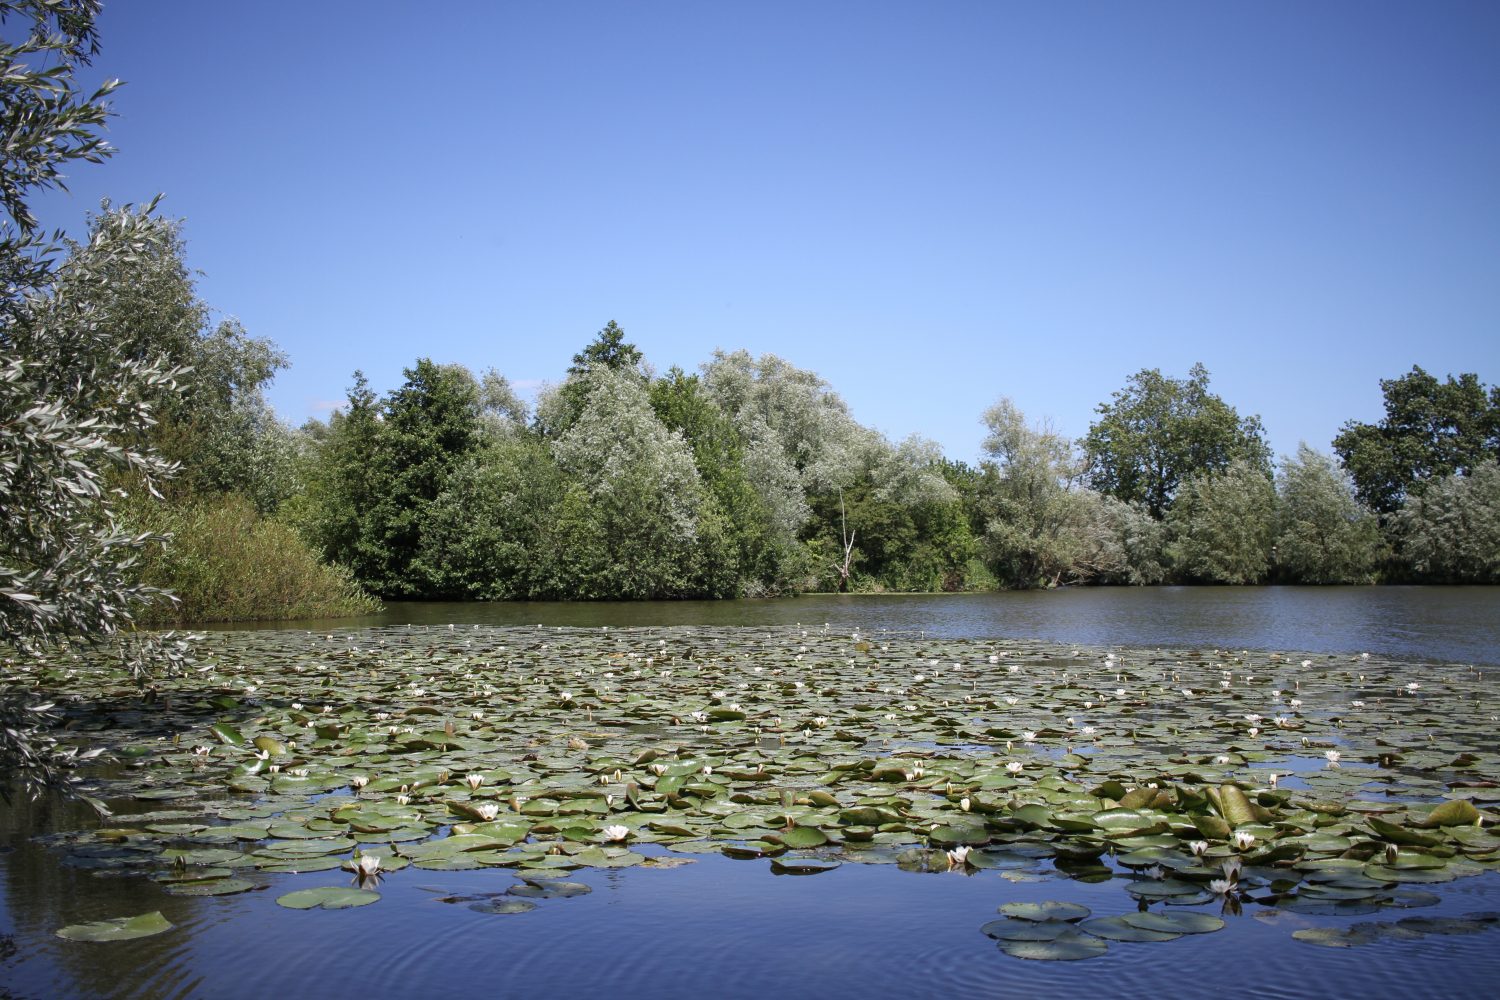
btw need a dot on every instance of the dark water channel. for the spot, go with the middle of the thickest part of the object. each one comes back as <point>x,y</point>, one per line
<point>724,928</point>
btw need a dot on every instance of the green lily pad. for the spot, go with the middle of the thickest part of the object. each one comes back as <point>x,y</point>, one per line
<point>117,928</point>
<point>1049,910</point>
<point>328,897</point>
<point>1186,922</point>
<point>802,837</point>
<point>1070,946</point>
<point>1120,929</point>
<point>210,887</point>
<point>1011,929</point>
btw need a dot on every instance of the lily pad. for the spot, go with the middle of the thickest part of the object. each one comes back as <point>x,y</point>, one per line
<point>1070,946</point>
<point>117,928</point>
<point>1049,910</point>
<point>327,897</point>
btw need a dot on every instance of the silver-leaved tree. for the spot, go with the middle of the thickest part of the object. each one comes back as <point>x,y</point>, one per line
<point>75,398</point>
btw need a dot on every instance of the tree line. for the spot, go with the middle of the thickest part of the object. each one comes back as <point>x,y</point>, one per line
<point>750,477</point>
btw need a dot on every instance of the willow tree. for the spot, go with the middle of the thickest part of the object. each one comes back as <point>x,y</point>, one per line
<point>1323,534</point>
<point>641,522</point>
<point>73,394</point>
<point>1222,526</point>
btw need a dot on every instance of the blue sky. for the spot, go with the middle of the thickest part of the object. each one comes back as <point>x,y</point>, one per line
<point>932,205</point>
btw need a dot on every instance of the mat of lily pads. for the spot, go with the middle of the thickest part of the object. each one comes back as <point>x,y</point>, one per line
<point>1200,780</point>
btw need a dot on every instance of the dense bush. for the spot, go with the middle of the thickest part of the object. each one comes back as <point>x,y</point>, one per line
<point>226,562</point>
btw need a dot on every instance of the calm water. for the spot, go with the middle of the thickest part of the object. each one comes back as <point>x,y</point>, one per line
<point>724,928</point>
<point>1453,624</point>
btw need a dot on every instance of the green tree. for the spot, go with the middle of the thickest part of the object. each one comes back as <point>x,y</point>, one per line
<point>1431,429</point>
<point>609,349</point>
<point>333,510</point>
<point>1450,533</point>
<point>491,534</point>
<point>429,427</point>
<point>1158,431</point>
<point>1323,534</point>
<point>1223,524</point>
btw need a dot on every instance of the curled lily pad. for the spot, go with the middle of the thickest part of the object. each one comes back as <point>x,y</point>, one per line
<point>117,928</point>
<point>328,897</point>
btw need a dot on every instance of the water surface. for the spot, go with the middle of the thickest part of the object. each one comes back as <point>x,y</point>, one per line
<point>1452,624</point>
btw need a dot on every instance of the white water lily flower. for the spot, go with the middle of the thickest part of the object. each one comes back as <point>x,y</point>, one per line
<point>1015,767</point>
<point>487,811</point>
<point>1221,887</point>
<point>1356,704</point>
<point>616,832</point>
<point>1222,759</point>
<point>659,769</point>
<point>403,800</point>
<point>475,780</point>
<point>1333,757</point>
<point>1155,872</point>
<point>358,781</point>
<point>368,864</point>
<point>1029,736</point>
<point>1199,847</point>
<point>958,857</point>
<point>1243,839</point>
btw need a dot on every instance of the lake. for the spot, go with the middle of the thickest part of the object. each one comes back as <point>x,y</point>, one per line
<point>723,927</point>
<point>1454,624</point>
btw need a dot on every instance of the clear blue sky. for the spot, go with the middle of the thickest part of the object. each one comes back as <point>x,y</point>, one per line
<point>930,204</point>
